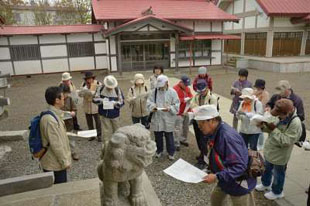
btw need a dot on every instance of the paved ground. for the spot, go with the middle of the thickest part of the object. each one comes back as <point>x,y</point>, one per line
<point>27,100</point>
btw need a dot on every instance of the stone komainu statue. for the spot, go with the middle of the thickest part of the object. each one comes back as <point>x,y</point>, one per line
<point>129,151</point>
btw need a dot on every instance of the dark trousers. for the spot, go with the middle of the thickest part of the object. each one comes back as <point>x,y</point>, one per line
<point>59,176</point>
<point>308,200</point>
<point>90,123</point>
<point>169,142</point>
<point>76,125</point>
<point>201,141</point>
<point>142,120</point>
<point>251,139</point>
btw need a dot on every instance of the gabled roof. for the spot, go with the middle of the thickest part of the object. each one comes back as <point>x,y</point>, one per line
<point>292,8</point>
<point>111,10</point>
<point>148,20</point>
<point>63,29</point>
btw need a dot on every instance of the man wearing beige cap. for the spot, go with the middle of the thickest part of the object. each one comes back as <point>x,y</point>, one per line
<point>284,90</point>
<point>278,147</point>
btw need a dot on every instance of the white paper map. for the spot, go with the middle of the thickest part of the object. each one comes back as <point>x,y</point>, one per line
<point>185,172</point>
<point>87,133</point>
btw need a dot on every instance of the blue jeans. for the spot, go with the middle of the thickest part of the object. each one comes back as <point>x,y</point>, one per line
<point>59,176</point>
<point>169,142</point>
<point>278,179</point>
<point>142,120</point>
<point>250,139</point>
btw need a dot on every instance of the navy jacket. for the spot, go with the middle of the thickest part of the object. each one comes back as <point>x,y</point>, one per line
<point>231,148</point>
<point>295,99</point>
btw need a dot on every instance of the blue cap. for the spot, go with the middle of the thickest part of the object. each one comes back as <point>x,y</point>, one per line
<point>201,85</point>
<point>186,80</point>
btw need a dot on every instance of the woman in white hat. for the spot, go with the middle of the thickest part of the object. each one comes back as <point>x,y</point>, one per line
<point>247,109</point>
<point>137,96</point>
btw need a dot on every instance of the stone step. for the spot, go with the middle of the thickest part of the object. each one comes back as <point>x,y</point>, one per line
<point>13,135</point>
<point>26,183</point>
<point>4,149</point>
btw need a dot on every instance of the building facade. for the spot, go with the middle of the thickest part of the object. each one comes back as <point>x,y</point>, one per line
<point>126,35</point>
<point>269,28</point>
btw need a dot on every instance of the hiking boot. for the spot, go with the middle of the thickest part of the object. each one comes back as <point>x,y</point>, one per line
<point>99,139</point>
<point>171,157</point>
<point>271,196</point>
<point>184,143</point>
<point>92,138</point>
<point>201,165</point>
<point>177,148</point>
<point>158,155</point>
<point>75,156</point>
<point>261,188</point>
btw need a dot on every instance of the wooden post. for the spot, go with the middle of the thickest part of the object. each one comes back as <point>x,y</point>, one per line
<point>119,54</point>
<point>177,52</point>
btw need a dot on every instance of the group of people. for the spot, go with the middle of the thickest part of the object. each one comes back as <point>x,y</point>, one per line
<point>168,111</point>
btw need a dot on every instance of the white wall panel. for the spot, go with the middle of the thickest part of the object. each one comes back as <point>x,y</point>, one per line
<point>284,22</point>
<point>98,37</point>
<point>27,67</point>
<point>82,63</point>
<point>230,9</point>
<point>172,44</point>
<point>216,26</point>
<point>183,63</point>
<point>6,67</point>
<point>228,25</point>
<point>5,53</point>
<point>172,61</point>
<point>112,45</point>
<point>3,41</point>
<point>262,21</point>
<point>101,62</point>
<point>216,58</point>
<point>50,39</point>
<point>100,48</point>
<point>188,24</point>
<point>23,39</point>
<point>113,64</point>
<point>250,5</point>
<point>55,65</point>
<point>238,25</point>
<point>249,22</point>
<point>238,7</point>
<point>203,26</point>
<point>54,51</point>
<point>79,37</point>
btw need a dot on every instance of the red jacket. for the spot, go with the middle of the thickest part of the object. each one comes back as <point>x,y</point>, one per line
<point>208,80</point>
<point>182,94</point>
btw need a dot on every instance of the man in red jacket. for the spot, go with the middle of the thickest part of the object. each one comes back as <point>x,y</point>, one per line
<point>202,74</point>
<point>182,122</point>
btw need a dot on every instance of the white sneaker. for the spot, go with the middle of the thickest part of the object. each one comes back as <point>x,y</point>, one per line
<point>261,188</point>
<point>271,196</point>
<point>171,157</point>
<point>158,155</point>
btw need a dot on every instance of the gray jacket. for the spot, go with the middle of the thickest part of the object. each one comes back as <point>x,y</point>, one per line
<point>163,121</point>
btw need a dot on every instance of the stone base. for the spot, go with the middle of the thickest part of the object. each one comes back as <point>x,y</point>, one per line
<point>3,151</point>
<point>78,193</point>
<point>13,135</point>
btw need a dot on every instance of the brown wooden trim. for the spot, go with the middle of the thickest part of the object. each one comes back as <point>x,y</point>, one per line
<point>13,66</point>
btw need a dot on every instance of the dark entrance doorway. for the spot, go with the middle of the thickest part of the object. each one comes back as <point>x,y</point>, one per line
<point>144,55</point>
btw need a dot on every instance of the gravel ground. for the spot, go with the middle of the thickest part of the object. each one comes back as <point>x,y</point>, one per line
<point>27,100</point>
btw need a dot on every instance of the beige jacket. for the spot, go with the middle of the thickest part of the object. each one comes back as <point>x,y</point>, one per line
<point>262,96</point>
<point>88,106</point>
<point>199,100</point>
<point>58,155</point>
<point>136,98</point>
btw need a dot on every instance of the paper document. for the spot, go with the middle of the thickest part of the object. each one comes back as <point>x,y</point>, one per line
<point>108,104</point>
<point>67,115</point>
<point>185,172</point>
<point>160,108</point>
<point>87,133</point>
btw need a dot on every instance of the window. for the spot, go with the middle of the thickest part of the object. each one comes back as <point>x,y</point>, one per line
<point>199,48</point>
<point>25,52</point>
<point>81,49</point>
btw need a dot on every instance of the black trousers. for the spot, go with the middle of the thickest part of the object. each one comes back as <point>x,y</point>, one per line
<point>90,123</point>
<point>201,141</point>
<point>59,176</point>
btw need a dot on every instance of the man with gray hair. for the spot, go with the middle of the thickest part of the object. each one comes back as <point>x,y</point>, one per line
<point>228,159</point>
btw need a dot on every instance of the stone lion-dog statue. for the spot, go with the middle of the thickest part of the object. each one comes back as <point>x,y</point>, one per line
<point>128,152</point>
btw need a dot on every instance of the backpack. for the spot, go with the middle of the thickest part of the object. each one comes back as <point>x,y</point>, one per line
<point>303,135</point>
<point>132,92</point>
<point>35,139</point>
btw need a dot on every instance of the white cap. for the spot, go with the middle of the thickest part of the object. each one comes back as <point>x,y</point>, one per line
<point>110,82</point>
<point>247,93</point>
<point>65,76</point>
<point>161,81</point>
<point>202,70</point>
<point>205,112</point>
<point>138,79</point>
